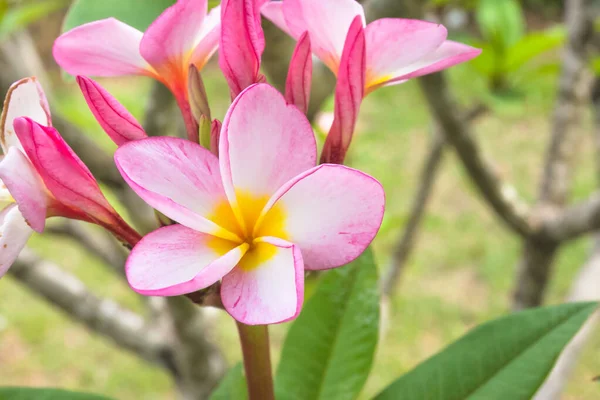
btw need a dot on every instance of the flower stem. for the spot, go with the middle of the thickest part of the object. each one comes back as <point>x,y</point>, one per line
<point>257,361</point>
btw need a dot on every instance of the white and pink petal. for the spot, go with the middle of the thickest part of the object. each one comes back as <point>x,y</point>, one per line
<point>332,213</point>
<point>176,260</point>
<point>267,286</point>
<point>106,47</point>
<point>14,234</point>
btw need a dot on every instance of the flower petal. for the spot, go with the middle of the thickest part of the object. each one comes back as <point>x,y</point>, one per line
<point>447,55</point>
<point>173,35</point>
<point>64,174</point>
<point>332,213</point>
<point>207,41</point>
<point>25,98</point>
<point>394,43</point>
<point>176,260</point>
<point>349,93</point>
<point>327,22</point>
<point>242,43</point>
<point>267,286</point>
<point>14,234</point>
<point>26,187</point>
<point>179,178</point>
<point>264,143</point>
<point>297,88</point>
<point>101,48</point>
<point>116,121</point>
<point>273,11</point>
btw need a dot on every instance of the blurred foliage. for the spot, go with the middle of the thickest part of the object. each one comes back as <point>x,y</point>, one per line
<point>15,393</point>
<point>17,15</point>
<point>509,53</point>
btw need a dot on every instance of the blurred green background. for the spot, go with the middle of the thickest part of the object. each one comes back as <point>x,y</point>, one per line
<point>461,272</point>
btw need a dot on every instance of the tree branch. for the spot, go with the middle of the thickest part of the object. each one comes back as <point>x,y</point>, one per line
<point>103,316</point>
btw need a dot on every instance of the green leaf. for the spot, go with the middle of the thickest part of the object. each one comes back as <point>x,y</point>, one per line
<point>18,17</point>
<point>532,46</point>
<point>20,393</point>
<point>501,22</point>
<point>329,349</point>
<point>233,385</point>
<point>137,13</point>
<point>508,358</point>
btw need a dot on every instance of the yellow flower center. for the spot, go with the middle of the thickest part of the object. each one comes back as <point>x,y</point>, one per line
<point>248,222</point>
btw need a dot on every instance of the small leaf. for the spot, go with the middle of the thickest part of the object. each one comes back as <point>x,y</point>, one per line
<point>137,13</point>
<point>233,385</point>
<point>21,393</point>
<point>533,45</point>
<point>329,349</point>
<point>501,22</point>
<point>508,358</point>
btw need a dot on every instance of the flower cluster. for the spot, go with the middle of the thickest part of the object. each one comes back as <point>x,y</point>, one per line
<point>252,210</point>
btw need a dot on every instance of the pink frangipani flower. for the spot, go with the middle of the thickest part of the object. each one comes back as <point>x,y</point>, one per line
<point>42,177</point>
<point>396,49</point>
<point>254,218</point>
<point>299,78</point>
<point>182,35</point>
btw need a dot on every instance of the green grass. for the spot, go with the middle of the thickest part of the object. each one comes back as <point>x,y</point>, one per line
<point>460,274</point>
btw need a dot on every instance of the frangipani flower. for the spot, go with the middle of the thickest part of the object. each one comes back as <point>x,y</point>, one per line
<point>182,35</point>
<point>42,177</point>
<point>255,218</point>
<point>396,49</point>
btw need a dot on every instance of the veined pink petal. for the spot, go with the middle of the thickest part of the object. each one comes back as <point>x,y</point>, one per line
<point>26,187</point>
<point>101,48</point>
<point>173,35</point>
<point>14,234</point>
<point>179,178</point>
<point>242,43</point>
<point>65,176</point>
<point>176,260</point>
<point>116,121</point>
<point>264,143</point>
<point>267,286</point>
<point>394,43</point>
<point>297,88</point>
<point>447,55</point>
<point>25,98</point>
<point>207,41</point>
<point>273,11</point>
<point>349,93</point>
<point>332,213</point>
<point>327,22</point>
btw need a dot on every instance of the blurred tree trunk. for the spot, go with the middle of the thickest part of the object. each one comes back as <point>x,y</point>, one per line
<point>535,266</point>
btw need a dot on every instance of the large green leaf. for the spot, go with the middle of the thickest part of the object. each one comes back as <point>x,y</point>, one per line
<point>137,13</point>
<point>329,349</point>
<point>233,386</point>
<point>501,22</point>
<point>20,393</point>
<point>508,358</point>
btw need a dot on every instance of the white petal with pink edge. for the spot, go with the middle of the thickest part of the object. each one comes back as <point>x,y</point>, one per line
<point>332,213</point>
<point>14,234</point>
<point>26,187</point>
<point>327,22</point>
<point>447,55</point>
<point>264,143</point>
<point>176,260</point>
<point>179,178</point>
<point>25,98</point>
<point>172,35</point>
<point>267,287</point>
<point>394,43</point>
<point>106,47</point>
